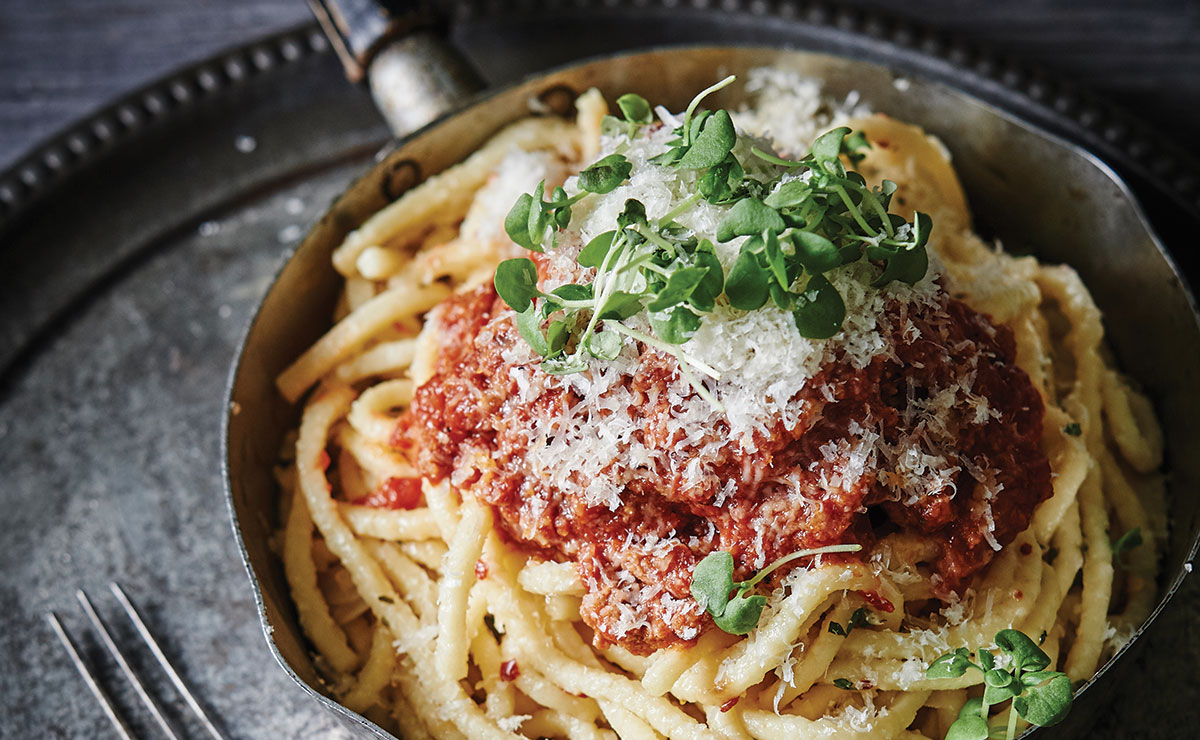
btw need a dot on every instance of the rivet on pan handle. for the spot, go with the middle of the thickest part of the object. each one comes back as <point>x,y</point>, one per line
<point>400,48</point>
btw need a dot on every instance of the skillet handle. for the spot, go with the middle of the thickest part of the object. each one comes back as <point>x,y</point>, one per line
<point>400,47</point>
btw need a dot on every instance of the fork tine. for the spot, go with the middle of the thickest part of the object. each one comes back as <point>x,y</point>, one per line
<point>105,703</point>
<point>148,638</point>
<point>115,652</point>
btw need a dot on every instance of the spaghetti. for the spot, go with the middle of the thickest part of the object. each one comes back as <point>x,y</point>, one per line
<point>477,549</point>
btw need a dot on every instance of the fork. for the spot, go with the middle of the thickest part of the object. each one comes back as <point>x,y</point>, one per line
<point>93,684</point>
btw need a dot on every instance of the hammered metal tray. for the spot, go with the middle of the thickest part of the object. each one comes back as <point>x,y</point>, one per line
<point>133,249</point>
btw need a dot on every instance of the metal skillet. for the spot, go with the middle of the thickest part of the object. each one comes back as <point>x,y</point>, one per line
<point>1033,191</point>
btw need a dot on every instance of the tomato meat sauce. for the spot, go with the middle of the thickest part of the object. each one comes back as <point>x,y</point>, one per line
<point>394,493</point>
<point>635,559</point>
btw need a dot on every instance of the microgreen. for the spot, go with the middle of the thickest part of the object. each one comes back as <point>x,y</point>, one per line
<point>606,174</point>
<point>807,218</point>
<point>635,108</point>
<point>1040,696</point>
<point>1073,429</point>
<point>725,599</point>
<point>1125,543</point>
<point>843,683</point>
<point>635,112</point>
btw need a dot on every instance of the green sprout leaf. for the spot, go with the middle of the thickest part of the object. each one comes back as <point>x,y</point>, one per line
<point>775,261</point>
<point>620,305</point>
<point>999,685</point>
<point>675,326</point>
<point>971,727</point>
<point>905,265</point>
<point>529,326</point>
<point>749,217</point>
<point>853,144</point>
<point>712,144</point>
<point>712,581</point>
<point>557,334</point>
<point>746,285</point>
<point>606,174</point>
<point>1073,429</point>
<point>828,145</point>
<point>634,214</point>
<point>844,684</point>
<point>712,284</point>
<point>669,157</point>
<point>538,222</point>
<point>516,223</point>
<point>987,661</point>
<point>1046,704</point>
<point>719,184</point>
<point>516,283</point>
<point>950,665</point>
<point>596,250</point>
<point>789,195</point>
<point>815,252</point>
<point>559,210</point>
<point>973,706</point>
<point>572,292</point>
<point>741,614</point>
<point>784,300</point>
<point>1026,655</point>
<point>634,108</point>
<point>970,724</point>
<point>605,345</point>
<point>679,288</point>
<point>819,310</point>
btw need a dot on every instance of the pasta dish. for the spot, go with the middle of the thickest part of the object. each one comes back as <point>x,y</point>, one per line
<point>711,424</point>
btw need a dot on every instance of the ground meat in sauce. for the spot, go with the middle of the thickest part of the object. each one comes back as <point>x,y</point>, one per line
<point>636,561</point>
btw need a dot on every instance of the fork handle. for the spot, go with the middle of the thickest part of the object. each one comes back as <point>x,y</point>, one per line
<point>400,48</point>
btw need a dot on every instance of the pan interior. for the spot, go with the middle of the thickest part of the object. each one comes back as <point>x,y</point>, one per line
<point>1032,192</point>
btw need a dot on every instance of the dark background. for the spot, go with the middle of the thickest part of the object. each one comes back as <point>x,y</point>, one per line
<point>59,59</point>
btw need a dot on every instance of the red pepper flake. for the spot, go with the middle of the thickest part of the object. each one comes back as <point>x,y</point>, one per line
<point>323,460</point>
<point>1026,549</point>
<point>877,602</point>
<point>1018,594</point>
<point>730,704</point>
<point>509,670</point>
<point>865,684</point>
<point>394,493</point>
<point>481,569</point>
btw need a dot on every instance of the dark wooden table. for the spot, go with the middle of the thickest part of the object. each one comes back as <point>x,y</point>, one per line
<point>61,59</point>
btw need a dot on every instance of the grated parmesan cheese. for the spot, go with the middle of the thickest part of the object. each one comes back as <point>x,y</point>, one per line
<point>513,722</point>
<point>762,360</point>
